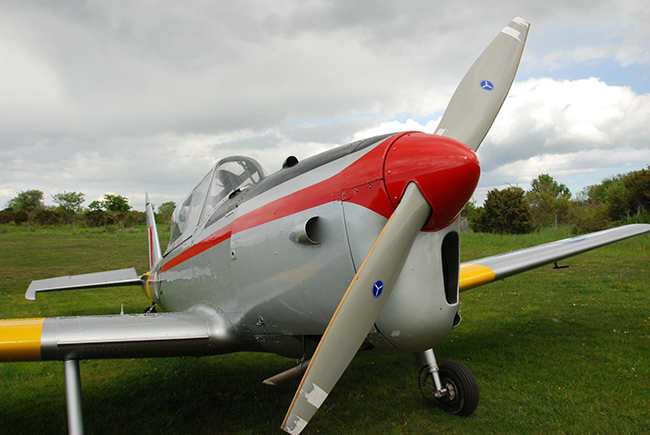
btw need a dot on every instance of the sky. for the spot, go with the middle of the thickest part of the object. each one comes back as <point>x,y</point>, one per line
<point>128,97</point>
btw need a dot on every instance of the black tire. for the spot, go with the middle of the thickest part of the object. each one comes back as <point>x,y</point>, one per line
<point>459,380</point>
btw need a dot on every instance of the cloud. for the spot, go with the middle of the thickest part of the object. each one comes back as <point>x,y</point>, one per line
<point>574,130</point>
<point>567,128</point>
<point>128,97</point>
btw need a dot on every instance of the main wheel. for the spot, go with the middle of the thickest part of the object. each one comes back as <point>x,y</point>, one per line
<point>458,379</point>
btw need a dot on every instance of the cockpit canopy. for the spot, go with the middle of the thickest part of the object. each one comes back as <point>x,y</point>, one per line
<point>229,175</point>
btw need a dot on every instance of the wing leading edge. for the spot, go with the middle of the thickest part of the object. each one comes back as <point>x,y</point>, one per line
<point>191,333</point>
<point>485,270</point>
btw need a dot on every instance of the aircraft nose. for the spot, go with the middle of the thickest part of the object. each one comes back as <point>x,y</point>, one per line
<point>445,170</point>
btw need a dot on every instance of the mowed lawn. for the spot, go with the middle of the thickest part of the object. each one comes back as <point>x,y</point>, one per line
<point>554,351</point>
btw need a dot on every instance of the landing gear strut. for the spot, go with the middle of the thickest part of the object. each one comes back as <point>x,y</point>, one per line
<point>451,386</point>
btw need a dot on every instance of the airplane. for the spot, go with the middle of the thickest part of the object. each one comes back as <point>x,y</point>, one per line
<point>354,251</point>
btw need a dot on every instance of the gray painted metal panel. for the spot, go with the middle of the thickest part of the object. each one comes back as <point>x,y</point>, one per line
<point>288,288</point>
<point>363,227</point>
<point>417,316</point>
<point>136,335</point>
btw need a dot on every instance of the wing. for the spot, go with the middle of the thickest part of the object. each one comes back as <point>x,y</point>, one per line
<point>199,332</point>
<point>485,270</point>
<point>191,333</point>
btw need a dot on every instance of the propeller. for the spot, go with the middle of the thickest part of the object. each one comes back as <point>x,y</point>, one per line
<point>359,308</point>
<point>480,94</point>
<point>468,118</point>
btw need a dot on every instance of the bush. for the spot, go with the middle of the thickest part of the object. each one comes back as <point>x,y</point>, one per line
<point>134,218</point>
<point>45,216</point>
<point>7,216</point>
<point>21,216</point>
<point>98,218</point>
<point>504,212</point>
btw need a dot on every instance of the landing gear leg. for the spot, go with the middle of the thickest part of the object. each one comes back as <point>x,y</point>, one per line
<point>451,386</point>
<point>73,397</point>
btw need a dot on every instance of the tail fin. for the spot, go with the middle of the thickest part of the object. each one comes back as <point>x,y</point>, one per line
<point>154,243</point>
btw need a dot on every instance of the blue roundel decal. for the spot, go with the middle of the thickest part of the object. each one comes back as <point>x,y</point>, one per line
<point>377,288</point>
<point>487,85</point>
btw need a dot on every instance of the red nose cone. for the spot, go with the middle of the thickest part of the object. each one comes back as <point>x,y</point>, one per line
<point>445,170</point>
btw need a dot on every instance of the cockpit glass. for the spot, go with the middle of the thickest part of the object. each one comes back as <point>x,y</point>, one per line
<point>186,215</point>
<point>229,175</point>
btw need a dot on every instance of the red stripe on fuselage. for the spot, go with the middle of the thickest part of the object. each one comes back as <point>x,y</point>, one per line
<point>214,239</point>
<point>364,172</point>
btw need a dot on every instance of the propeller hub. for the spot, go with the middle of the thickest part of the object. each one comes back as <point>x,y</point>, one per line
<point>445,170</point>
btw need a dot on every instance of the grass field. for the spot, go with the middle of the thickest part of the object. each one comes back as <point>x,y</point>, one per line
<point>554,351</point>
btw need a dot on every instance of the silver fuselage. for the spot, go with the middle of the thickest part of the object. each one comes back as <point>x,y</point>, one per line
<point>274,261</point>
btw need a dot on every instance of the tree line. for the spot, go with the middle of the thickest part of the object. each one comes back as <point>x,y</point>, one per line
<point>619,200</point>
<point>624,198</point>
<point>29,207</point>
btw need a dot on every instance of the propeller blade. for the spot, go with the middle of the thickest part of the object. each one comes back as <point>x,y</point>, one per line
<point>479,96</point>
<point>359,308</point>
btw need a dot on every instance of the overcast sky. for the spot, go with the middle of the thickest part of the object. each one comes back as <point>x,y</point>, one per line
<point>128,97</point>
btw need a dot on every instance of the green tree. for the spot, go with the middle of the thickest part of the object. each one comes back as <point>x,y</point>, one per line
<point>116,203</point>
<point>597,206</point>
<point>621,198</point>
<point>28,200</point>
<point>114,209</point>
<point>504,212</point>
<point>69,204</point>
<point>96,206</point>
<point>470,212</point>
<point>165,211</point>
<point>637,186</point>
<point>547,199</point>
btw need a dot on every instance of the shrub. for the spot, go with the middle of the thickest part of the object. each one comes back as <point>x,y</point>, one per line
<point>7,216</point>
<point>45,216</point>
<point>97,218</point>
<point>21,216</point>
<point>134,218</point>
<point>504,212</point>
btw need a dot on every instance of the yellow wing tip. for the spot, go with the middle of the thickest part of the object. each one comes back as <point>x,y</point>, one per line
<point>474,275</point>
<point>20,339</point>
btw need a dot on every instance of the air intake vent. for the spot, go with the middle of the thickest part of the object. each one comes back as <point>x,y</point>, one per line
<point>450,266</point>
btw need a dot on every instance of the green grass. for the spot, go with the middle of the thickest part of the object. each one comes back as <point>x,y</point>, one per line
<point>554,351</point>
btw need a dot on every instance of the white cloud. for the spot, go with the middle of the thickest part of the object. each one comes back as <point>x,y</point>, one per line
<point>577,131</point>
<point>133,97</point>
